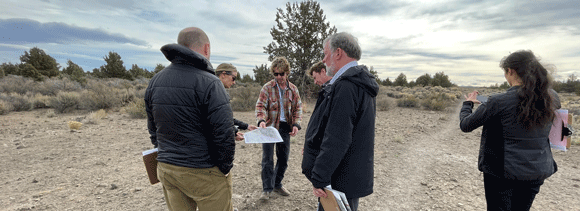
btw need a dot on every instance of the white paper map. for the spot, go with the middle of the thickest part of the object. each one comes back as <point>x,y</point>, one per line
<point>263,135</point>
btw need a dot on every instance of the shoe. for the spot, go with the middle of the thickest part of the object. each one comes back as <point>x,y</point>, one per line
<point>282,191</point>
<point>265,196</point>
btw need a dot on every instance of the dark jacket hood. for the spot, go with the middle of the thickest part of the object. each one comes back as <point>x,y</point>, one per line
<point>360,76</point>
<point>179,54</point>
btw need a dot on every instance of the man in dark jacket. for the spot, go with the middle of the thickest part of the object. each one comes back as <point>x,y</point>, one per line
<point>339,142</point>
<point>191,123</point>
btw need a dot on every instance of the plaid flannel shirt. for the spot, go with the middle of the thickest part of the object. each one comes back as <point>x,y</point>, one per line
<point>268,106</point>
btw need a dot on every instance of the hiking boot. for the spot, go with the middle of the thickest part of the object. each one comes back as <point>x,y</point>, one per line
<point>282,191</point>
<point>265,196</point>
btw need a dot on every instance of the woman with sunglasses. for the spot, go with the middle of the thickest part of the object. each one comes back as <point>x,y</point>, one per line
<point>227,73</point>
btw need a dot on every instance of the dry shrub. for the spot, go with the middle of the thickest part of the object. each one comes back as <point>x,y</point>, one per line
<point>52,86</point>
<point>127,96</point>
<point>40,101</point>
<point>17,84</point>
<point>244,98</point>
<point>100,96</point>
<point>17,101</point>
<point>74,125</point>
<point>439,101</point>
<point>408,102</point>
<point>5,107</point>
<point>140,94</point>
<point>136,109</point>
<point>65,102</point>
<point>384,103</point>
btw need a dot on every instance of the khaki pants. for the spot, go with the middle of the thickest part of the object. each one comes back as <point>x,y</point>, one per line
<point>190,188</point>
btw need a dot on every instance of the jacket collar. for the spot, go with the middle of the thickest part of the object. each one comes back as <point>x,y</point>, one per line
<point>179,54</point>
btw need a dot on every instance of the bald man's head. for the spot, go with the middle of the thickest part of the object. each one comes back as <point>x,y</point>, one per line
<point>195,39</point>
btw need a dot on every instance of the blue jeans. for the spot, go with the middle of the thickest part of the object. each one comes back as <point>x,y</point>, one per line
<point>272,177</point>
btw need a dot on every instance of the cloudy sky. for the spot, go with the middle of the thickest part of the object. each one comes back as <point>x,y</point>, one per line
<point>465,39</point>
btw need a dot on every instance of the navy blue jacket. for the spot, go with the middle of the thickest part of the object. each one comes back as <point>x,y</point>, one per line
<point>189,116</point>
<point>339,142</point>
<point>508,150</point>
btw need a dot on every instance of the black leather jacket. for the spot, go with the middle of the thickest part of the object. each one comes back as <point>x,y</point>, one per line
<point>189,116</point>
<point>509,150</point>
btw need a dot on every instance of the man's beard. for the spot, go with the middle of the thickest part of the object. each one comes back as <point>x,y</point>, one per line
<point>330,70</point>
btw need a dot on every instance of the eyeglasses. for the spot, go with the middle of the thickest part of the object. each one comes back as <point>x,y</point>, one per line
<point>280,74</point>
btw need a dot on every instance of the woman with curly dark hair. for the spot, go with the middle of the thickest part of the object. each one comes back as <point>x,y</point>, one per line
<point>515,155</point>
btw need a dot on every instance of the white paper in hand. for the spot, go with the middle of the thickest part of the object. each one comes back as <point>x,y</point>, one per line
<point>263,135</point>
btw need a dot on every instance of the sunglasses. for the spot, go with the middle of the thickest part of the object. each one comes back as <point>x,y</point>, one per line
<point>232,74</point>
<point>279,74</point>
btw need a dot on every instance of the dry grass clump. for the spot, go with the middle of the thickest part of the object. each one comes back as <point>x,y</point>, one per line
<point>408,102</point>
<point>244,98</point>
<point>136,109</point>
<point>74,125</point>
<point>65,102</point>
<point>96,116</point>
<point>50,114</point>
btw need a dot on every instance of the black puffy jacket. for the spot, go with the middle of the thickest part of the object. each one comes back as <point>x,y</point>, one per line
<point>509,150</point>
<point>189,116</point>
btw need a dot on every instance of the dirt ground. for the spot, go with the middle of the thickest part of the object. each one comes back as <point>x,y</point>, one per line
<point>422,162</point>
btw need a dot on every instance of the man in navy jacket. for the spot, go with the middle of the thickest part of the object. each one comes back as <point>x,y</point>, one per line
<point>339,142</point>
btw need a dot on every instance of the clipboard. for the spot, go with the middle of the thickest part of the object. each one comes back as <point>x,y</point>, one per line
<point>334,201</point>
<point>150,161</point>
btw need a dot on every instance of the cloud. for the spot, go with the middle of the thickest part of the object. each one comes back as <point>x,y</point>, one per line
<point>23,31</point>
<point>101,4</point>
<point>156,16</point>
<point>369,8</point>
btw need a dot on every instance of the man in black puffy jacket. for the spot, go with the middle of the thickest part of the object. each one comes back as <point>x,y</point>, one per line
<point>191,123</point>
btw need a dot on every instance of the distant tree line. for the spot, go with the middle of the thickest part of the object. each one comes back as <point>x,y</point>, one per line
<point>570,85</point>
<point>439,79</point>
<point>38,65</point>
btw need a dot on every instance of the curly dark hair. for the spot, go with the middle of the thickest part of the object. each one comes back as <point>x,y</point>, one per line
<point>536,107</point>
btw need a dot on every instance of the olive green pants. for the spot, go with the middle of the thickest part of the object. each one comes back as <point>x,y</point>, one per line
<point>190,188</point>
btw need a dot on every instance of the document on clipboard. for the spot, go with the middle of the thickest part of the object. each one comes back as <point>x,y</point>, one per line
<point>334,201</point>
